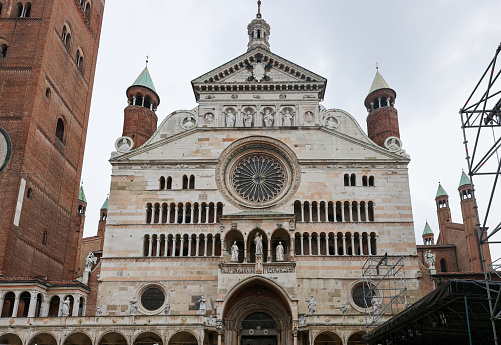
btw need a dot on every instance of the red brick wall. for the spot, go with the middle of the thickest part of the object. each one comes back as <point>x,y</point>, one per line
<point>37,59</point>
<point>382,122</point>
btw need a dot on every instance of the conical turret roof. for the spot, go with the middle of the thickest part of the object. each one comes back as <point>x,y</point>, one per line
<point>105,205</point>
<point>378,83</point>
<point>81,195</point>
<point>464,180</point>
<point>427,229</point>
<point>145,80</point>
<point>441,191</point>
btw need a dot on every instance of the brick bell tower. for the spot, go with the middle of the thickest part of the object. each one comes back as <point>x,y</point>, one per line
<point>469,221</point>
<point>382,121</point>
<point>443,212</point>
<point>140,120</point>
<point>48,53</point>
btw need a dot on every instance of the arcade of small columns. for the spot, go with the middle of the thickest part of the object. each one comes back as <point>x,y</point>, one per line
<point>305,244</point>
<point>36,304</point>
<point>183,213</point>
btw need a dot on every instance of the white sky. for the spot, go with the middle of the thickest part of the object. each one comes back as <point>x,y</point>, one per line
<point>432,53</point>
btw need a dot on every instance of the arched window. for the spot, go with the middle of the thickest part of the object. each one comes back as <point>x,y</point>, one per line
<point>66,36</point>
<point>192,182</point>
<point>346,180</point>
<point>162,182</point>
<point>47,93</point>
<point>3,51</point>
<point>371,181</point>
<point>27,10</point>
<point>364,181</point>
<point>139,100</point>
<point>29,193</point>
<point>443,265</point>
<point>0,8</point>
<point>79,59</point>
<point>147,103</point>
<point>60,130</point>
<point>87,10</point>
<point>258,33</point>
<point>185,182</point>
<point>19,10</point>
<point>353,180</point>
<point>44,238</point>
<point>169,182</point>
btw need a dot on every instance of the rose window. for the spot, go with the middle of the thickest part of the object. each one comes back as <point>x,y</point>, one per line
<point>258,178</point>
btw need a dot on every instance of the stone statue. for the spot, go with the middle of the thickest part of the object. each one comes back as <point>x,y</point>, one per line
<point>133,307</point>
<point>65,309</point>
<point>209,117</point>
<point>98,310</point>
<point>288,118</point>
<point>230,118</point>
<point>234,252</point>
<point>376,305</point>
<point>302,320</point>
<point>430,258</point>
<point>268,118</point>
<point>259,244</point>
<point>167,309</point>
<point>280,252</point>
<point>124,145</point>
<point>90,261</point>
<point>248,119</point>
<point>343,309</point>
<point>331,122</point>
<point>203,306</point>
<point>312,305</point>
<point>189,122</point>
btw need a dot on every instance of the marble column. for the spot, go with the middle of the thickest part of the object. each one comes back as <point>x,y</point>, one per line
<point>366,212</point>
<point>161,215</point>
<point>318,212</point>
<point>153,214</point>
<point>205,245</point>
<point>181,247</point>
<point>168,214</point>
<point>351,211</point>
<point>146,217</point>
<point>360,244</point>
<point>352,244</point>
<point>222,248</point>
<point>245,250</point>
<point>318,245</point>
<point>326,244</point>
<point>369,244</point>
<point>326,211</point>
<point>192,209</point>
<point>309,244</point>
<point>33,304</point>
<point>311,213</point>
<point>334,209</point>
<point>199,220</point>
<point>173,251</point>
<point>215,214</point>
<point>184,215</point>
<point>150,246</point>
<point>335,244</point>
<point>342,213</point>
<point>358,213</point>
<point>213,246</point>
<point>158,245</point>
<point>189,246</point>
<point>344,245</point>
<point>176,214</point>
<point>76,303</point>
<point>269,249</point>
<point>1,301</point>
<point>166,245</point>
<point>60,308</point>
<point>302,244</point>
<point>302,212</point>
<point>207,214</point>
<point>197,249</point>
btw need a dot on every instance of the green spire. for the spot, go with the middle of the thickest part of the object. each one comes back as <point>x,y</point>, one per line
<point>464,180</point>
<point>378,83</point>
<point>427,229</point>
<point>81,195</point>
<point>105,205</point>
<point>144,79</point>
<point>441,191</point>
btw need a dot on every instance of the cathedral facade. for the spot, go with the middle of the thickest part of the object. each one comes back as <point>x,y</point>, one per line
<point>245,220</point>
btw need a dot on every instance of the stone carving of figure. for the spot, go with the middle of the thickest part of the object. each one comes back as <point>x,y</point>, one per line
<point>188,122</point>
<point>259,244</point>
<point>234,252</point>
<point>65,311</point>
<point>312,305</point>
<point>248,119</point>
<point>430,258</point>
<point>331,122</point>
<point>393,145</point>
<point>302,320</point>
<point>280,252</point>
<point>167,309</point>
<point>89,261</point>
<point>230,118</point>
<point>288,118</point>
<point>209,117</point>
<point>376,305</point>
<point>343,309</point>
<point>98,310</point>
<point>133,307</point>
<point>268,118</point>
<point>203,306</point>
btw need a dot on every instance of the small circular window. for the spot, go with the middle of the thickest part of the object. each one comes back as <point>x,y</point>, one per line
<point>152,299</point>
<point>363,295</point>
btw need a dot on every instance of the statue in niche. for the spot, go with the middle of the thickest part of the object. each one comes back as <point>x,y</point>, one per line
<point>312,305</point>
<point>308,116</point>
<point>133,307</point>
<point>288,116</point>
<point>203,306</point>
<point>209,117</point>
<point>188,122</point>
<point>302,320</point>
<point>268,118</point>
<point>65,309</point>
<point>234,252</point>
<point>230,118</point>
<point>259,244</point>
<point>331,122</point>
<point>248,118</point>
<point>280,252</point>
<point>430,258</point>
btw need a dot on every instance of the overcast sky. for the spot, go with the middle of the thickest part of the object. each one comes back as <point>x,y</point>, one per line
<point>431,53</point>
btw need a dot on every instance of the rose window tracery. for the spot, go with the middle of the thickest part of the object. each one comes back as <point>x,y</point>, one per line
<point>258,178</point>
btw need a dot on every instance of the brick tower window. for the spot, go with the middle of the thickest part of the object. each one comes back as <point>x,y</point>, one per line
<point>87,10</point>
<point>60,130</point>
<point>3,51</point>
<point>79,60</point>
<point>47,93</point>
<point>29,193</point>
<point>23,11</point>
<point>0,8</point>
<point>44,238</point>
<point>66,36</point>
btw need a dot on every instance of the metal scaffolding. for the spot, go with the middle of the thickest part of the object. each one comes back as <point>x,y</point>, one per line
<point>384,287</point>
<point>481,124</point>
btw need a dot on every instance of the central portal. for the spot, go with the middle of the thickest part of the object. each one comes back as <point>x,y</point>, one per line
<point>259,329</point>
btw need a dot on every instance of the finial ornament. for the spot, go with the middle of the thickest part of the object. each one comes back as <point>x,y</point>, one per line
<point>377,66</point>
<point>147,58</point>
<point>258,9</point>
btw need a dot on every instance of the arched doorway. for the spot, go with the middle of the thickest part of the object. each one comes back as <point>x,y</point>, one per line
<point>148,338</point>
<point>259,329</point>
<point>356,338</point>
<point>113,338</point>
<point>43,339</point>
<point>183,338</point>
<point>257,312</point>
<point>78,339</point>
<point>328,338</point>
<point>11,339</point>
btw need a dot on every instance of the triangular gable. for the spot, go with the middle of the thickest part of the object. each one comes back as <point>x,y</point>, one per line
<point>279,70</point>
